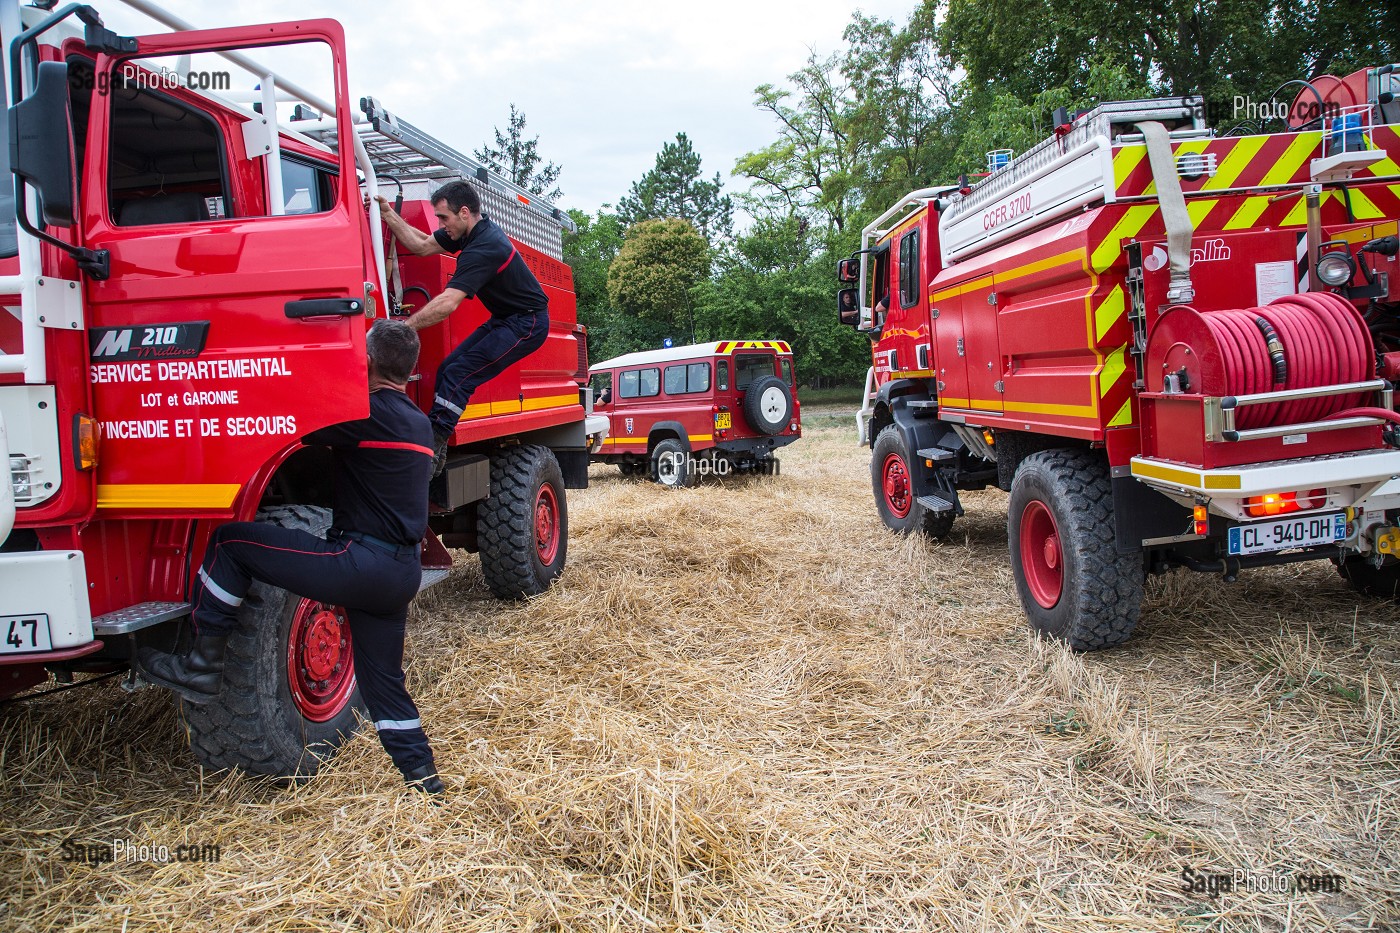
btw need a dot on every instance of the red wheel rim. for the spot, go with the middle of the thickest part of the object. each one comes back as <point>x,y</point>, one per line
<point>320,666</point>
<point>895,482</point>
<point>547,529</point>
<point>1042,558</point>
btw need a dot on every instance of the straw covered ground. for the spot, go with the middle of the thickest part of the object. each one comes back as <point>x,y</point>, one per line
<point>749,707</point>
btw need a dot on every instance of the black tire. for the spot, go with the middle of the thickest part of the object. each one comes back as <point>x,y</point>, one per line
<point>670,464</point>
<point>891,480</point>
<point>1382,582</point>
<point>256,725</point>
<point>768,405</point>
<point>522,531</point>
<point>1060,531</point>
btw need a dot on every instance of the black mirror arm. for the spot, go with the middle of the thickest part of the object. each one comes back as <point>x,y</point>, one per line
<point>95,263</point>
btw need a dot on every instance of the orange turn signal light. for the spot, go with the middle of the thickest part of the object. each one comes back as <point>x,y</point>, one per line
<point>1282,503</point>
<point>87,438</point>
<point>1201,516</point>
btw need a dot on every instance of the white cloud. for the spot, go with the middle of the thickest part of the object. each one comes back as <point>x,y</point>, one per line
<point>603,85</point>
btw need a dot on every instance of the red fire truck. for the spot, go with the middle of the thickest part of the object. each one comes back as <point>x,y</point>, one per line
<point>678,413</point>
<point>190,272</point>
<point>1173,348</point>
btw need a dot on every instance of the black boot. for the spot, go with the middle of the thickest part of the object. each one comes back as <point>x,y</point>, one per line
<point>196,676</point>
<point>440,442</point>
<point>425,778</point>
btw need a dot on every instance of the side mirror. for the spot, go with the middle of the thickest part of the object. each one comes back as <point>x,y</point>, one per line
<point>41,143</point>
<point>848,306</point>
<point>848,270</point>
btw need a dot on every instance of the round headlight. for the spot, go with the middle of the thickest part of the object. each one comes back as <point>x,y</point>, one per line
<point>1335,269</point>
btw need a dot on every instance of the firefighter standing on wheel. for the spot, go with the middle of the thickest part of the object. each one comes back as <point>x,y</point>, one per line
<point>490,268</point>
<point>369,563</point>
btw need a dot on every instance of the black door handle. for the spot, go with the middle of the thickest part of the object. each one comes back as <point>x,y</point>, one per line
<point>324,307</point>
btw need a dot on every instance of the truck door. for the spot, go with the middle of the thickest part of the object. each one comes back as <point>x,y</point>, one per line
<point>234,317</point>
<point>906,325</point>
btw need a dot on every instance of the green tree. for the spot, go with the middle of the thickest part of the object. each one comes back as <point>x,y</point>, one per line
<point>518,159</point>
<point>589,251</point>
<point>674,188</point>
<point>655,275</point>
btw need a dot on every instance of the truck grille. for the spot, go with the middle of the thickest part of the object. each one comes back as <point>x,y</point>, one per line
<point>581,336</point>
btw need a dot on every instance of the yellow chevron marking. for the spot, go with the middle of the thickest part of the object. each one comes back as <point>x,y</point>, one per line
<point>1124,161</point>
<point>1292,159</point>
<point>1198,209</point>
<point>1197,145</point>
<point>1110,312</point>
<point>1114,365</point>
<point>1298,216</point>
<point>1248,213</point>
<point>1129,225</point>
<point>1363,208</point>
<point>1234,164</point>
<point>1124,416</point>
<point>162,496</point>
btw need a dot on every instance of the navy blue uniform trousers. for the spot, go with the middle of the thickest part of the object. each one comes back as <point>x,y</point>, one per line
<point>374,582</point>
<point>485,354</point>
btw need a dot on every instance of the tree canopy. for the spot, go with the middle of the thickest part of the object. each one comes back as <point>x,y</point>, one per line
<point>518,159</point>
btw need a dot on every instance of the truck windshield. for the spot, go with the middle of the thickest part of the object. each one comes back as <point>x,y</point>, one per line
<point>9,245</point>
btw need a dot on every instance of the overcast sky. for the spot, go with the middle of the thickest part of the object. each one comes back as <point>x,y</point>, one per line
<point>603,84</point>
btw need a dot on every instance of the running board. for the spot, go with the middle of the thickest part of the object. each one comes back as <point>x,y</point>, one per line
<point>134,618</point>
<point>936,504</point>
<point>937,454</point>
<point>432,578</point>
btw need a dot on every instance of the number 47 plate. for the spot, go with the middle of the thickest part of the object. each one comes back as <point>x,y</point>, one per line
<point>1263,537</point>
<point>25,633</point>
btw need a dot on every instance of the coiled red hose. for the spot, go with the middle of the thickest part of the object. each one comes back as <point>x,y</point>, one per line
<point>1296,342</point>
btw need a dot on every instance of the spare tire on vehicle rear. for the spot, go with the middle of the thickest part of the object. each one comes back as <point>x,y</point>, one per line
<point>768,405</point>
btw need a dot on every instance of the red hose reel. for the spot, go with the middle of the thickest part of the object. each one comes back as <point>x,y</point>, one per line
<point>1297,342</point>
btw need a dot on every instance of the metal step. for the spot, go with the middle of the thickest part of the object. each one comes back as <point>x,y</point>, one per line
<point>936,504</point>
<point>924,403</point>
<point>134,618</point>
<point>938,454</point>
<point>432,578</point>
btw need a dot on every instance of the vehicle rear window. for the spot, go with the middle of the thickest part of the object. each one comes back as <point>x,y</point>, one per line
<point>639,383</point>
<point>787,372</point>
<point>751,366</point>
<point>722,375</point>
<point>687,378</point>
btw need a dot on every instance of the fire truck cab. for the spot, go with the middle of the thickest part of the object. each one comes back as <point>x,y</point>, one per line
<point>189,270</point>
<point>1173,348</point>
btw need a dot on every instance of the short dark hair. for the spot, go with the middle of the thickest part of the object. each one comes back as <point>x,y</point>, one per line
<point>458,194</point>
<point>393,346</point>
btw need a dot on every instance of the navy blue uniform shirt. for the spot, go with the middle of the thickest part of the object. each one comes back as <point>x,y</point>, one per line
<point>491,268</point>
<point>382,466</point>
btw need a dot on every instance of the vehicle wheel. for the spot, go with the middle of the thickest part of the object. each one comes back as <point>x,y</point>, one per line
<point>768,405</point>
<point>670,464</point>
<point>893,485</point>
<point>289,696</point>
<point>522,531</point>
<point>1072,581</point>
<point>1382,581</point>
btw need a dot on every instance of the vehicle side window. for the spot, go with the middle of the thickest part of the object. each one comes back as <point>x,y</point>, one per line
<point>306,188</point>
<point>751,366</point>
<point>722,375</point>
<point>787,372</point>
<point>909,269</point>
<point>602,388</point>
<point>697,377</point>
<point>166,160</point>
<point>639,383</point>
<point>675,380</point>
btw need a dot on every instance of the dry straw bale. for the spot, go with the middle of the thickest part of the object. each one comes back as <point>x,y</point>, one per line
<point>749,707</point>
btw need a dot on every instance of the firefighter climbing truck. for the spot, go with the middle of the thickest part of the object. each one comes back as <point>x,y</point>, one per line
<point>1172,348</point>
<point>192,270</point>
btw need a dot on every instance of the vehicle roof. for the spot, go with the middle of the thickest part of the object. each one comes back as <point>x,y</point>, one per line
<point>674,354</point>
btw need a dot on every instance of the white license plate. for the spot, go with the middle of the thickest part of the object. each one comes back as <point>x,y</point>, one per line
<point>25,633</point>
<point>1263,537</point>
